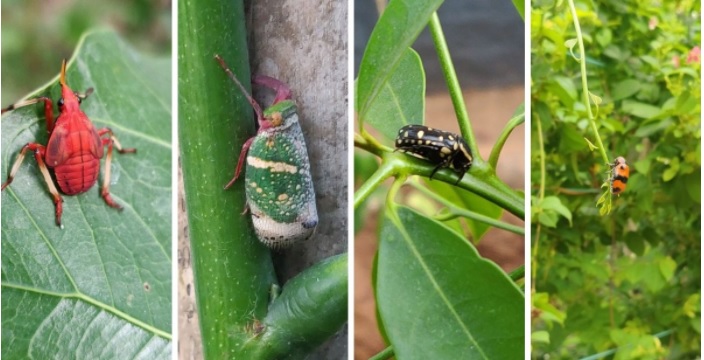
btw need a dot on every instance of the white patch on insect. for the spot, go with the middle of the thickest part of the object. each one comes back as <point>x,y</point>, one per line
<point>454,146</point>
<point>405,134</point>
<point>420,134</point>
<point>441,138</point>
<point>445,150</point>
<point>273,166</point>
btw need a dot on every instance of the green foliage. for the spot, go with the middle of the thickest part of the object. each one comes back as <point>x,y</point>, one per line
<point>421,267</point>
<point>36,33</point>
<point>615,281</point>
<point>106,272</point>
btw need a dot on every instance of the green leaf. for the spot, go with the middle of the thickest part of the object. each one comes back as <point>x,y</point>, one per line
<point>396,30</point>
<point>667,267</point>
<point>104,281</point>
<point>401,100</point>
<point>431,279</point>
<point>553,203</point>
<point>625,88</point>
<point>640,109</point>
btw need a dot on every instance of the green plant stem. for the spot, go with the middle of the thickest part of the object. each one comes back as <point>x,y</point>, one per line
<point>385,170</point>
<point>456,211</point>
<point>453,84</point>
<point>585,87</point>
<point>233,272</point>
<point>370,145</point>
<point>387,353</point>
<point>541,195</point>
<point>496,150</point>
<point>518,273</point>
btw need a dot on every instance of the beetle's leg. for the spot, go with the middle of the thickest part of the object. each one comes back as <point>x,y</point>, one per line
<point>240,161</point>
<point>282,90</point>
<point>48,109</point>
<point>39,151</point>
<point>435,170</point>
<point>104,131</point>
<point>461,175</point>
<point>105,189</point>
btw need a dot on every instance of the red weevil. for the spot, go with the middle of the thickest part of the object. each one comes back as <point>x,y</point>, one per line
<point>74,150</point>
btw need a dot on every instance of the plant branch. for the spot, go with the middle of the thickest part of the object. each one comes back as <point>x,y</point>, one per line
<point>453,84</point>
<point>496,150</point>
<point>585,87</point>
<point>456,211</point>
<point>385,170</point>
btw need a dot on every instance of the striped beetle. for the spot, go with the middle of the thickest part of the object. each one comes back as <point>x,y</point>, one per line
<point>442,148</point>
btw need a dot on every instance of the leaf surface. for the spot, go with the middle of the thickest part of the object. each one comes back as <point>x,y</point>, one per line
<point>100,287</point>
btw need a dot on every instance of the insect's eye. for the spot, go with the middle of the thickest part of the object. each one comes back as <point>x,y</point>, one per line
<point>60,102</point>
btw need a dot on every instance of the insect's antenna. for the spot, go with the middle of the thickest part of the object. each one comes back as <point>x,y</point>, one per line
<point>232,76</point>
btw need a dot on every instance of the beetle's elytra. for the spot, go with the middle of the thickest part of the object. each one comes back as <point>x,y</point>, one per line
<point>277,182</point>
<point>442,148</point>
<point>74,149</point>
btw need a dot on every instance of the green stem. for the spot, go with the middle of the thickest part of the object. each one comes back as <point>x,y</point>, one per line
<point>456,211</point>
<point>518,274</point>
<point>233,271</point>
<point>453,84</point>
<point>585,87</point>
<point>385,170</point>
<point>387,353</point>
<point>541,195</point>
<point>496,150</point>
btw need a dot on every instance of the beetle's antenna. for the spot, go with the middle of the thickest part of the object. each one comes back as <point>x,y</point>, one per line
<point>255,105</point>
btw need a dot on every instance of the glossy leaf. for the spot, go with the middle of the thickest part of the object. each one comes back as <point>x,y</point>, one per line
<point>100,287</point>
<point>396,30</point>
<point>401,101</point>
<point>439,299</point>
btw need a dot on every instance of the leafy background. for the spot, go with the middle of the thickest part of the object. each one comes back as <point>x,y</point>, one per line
<point>612,283</point>
<point>101,287</point>
<point>36,33</point>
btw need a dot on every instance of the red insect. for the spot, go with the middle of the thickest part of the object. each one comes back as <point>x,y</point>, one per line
<point>619,175</point>
<point>74,150</point>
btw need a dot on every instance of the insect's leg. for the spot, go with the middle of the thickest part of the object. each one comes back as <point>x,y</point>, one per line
<point>461,175</point>
<point>435,170</point>
<point>240,161</point>
<point>282,90</point>
<point>113,140</point>
<point>38,150</point>
<point>105,189</point>
<point>48,109</point>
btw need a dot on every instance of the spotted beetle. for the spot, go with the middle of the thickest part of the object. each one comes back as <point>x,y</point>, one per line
<point>442,148</point>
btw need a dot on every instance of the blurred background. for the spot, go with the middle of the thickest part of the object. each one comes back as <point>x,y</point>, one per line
<point>486,41</point>
<point>36,35</point>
